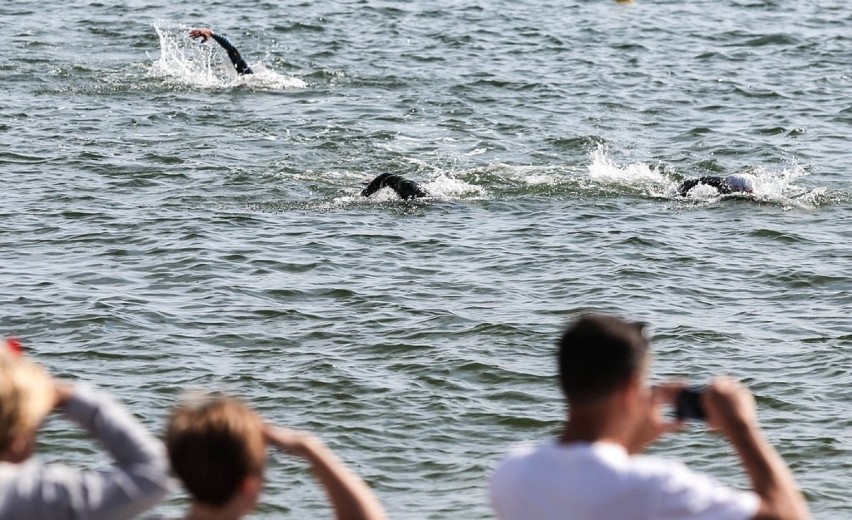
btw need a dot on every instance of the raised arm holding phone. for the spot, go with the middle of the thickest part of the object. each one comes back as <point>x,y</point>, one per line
<point>595,470</point>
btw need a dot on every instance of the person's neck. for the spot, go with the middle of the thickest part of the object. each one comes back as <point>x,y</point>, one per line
<point>231,511</point>
<point>593,424</point>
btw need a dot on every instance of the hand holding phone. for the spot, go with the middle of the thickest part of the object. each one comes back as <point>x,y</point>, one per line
<point>688,404</point>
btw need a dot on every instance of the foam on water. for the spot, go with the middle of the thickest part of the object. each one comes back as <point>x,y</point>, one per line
<point>206,64</point>
<point>452,188</point>
<point>770,185</point>
<point>601,175</point>
<point>603,168</point>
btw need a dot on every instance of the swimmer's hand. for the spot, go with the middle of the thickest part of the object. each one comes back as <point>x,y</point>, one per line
<point>201,33</point>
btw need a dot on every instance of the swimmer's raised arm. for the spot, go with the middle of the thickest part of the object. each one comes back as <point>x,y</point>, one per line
<point>201,33</point>
<point>238,61</point>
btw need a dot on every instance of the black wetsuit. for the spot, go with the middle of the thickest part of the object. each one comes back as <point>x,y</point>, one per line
<point>403,187</point>
<point>238,61</point>
<point>720,183</point>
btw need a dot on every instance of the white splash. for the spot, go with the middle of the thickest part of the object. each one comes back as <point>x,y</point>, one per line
<point>206,65</point>
<point>777,187</point>
<point>451,188</point>
<point>602,167</point>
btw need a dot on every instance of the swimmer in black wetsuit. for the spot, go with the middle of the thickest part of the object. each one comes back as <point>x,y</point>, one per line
<point>738,183</point>
<point>403,187</point>
<point>238,61</point>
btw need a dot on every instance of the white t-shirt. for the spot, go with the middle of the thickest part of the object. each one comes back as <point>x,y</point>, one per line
<point>601,481</point>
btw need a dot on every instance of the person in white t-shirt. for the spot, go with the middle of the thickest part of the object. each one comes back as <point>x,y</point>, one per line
<point>594,471</point>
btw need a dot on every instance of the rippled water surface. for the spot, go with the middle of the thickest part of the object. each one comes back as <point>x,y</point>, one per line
<point>167,225</point>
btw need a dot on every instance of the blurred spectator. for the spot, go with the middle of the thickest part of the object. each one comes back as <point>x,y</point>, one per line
<point>593,471</point>
<point>217,447</point>
<point>31,490</point>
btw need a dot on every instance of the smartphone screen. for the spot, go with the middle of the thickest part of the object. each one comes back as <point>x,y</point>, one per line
<point>688,405</point>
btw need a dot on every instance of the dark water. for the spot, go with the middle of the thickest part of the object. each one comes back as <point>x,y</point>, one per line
<point>167,226</point>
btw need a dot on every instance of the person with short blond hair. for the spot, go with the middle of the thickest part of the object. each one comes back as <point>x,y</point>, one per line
<point>32,490</point>
<point>217,447</point>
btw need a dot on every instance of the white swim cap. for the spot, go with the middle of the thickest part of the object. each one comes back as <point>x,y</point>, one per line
<point>740,182</point>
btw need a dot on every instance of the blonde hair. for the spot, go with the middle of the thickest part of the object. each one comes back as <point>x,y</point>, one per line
<point>26,396</point>
<point>214,442</point>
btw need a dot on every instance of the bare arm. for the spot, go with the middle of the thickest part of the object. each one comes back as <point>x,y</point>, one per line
<point>731,408</point>
<point>202,33</point>
<point>351,498</point>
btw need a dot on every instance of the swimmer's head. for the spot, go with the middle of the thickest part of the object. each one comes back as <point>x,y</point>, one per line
<point>740,182</point>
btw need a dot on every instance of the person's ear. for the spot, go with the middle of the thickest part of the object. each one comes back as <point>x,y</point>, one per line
<point>632,388</point>
<point>252,485</point>
<point>19,450</point>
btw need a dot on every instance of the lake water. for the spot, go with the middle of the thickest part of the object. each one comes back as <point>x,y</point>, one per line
<point>168,226</point>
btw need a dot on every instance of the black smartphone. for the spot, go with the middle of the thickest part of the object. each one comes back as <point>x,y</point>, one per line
<point>688,404</point>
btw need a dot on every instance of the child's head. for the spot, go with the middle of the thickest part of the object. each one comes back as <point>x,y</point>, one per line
<point>217,448</point>
<point>26,397</point>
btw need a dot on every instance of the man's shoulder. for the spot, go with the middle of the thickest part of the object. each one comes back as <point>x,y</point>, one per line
<point>599,476</point>
<point>525,449</point>
<point>681,489</point>
<point>520,460</point>
<point>596,480</point>
<point>523,453</point>
<point>604,460</point>
<point>666,469</point>
<point>532,460</point>
<point>653,465</point>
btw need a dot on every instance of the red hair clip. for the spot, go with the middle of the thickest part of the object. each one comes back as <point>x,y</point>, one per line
<point>15,346</point>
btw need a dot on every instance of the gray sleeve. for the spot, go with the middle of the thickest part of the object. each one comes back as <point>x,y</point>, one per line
<point>138,479</point>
